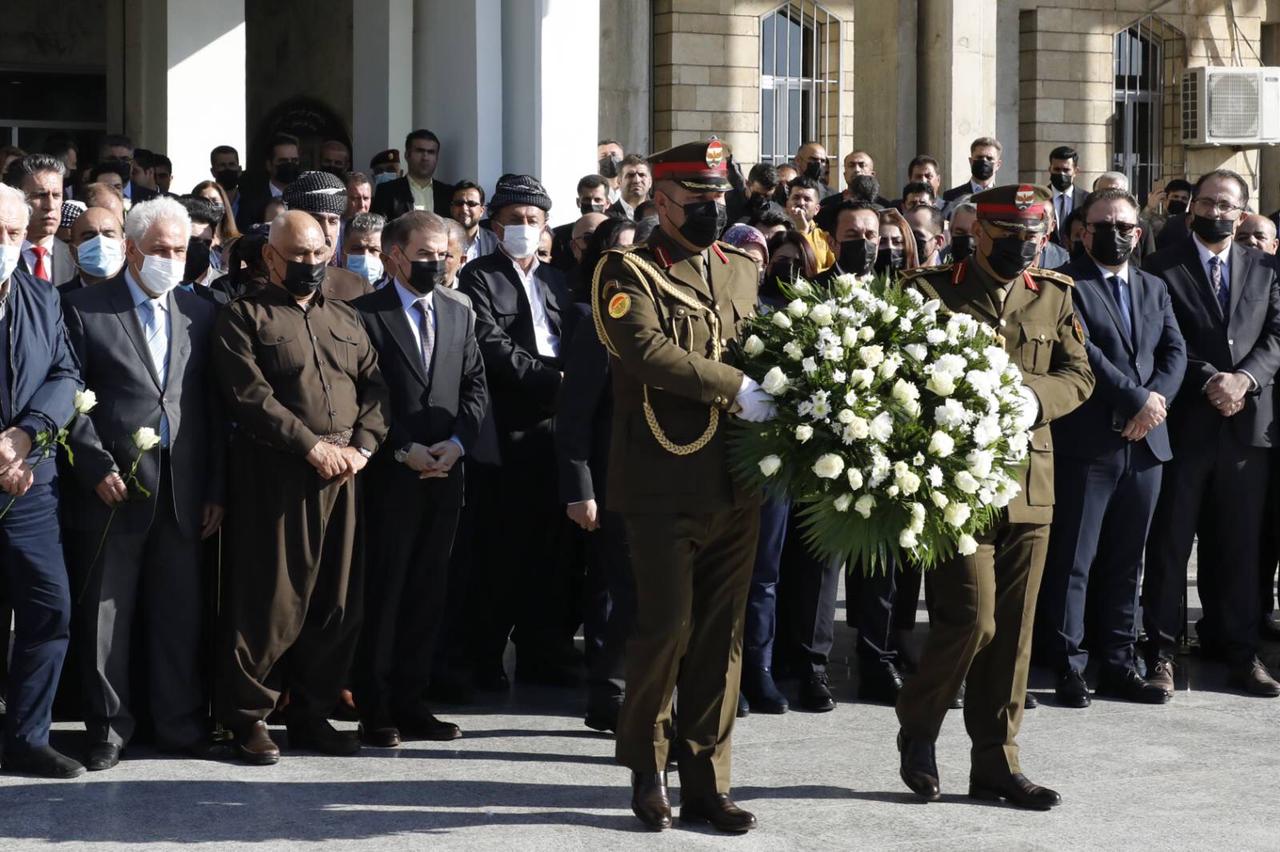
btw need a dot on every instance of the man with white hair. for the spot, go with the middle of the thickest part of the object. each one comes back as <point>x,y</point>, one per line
<point>38,383</point>
<point>143,346</point>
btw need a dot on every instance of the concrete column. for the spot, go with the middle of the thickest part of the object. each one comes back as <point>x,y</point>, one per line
<point>626,71</point>
<point>1269,155</point>
<point>457,92</point>
<point>382,36</point>
<point>144,72</point>
<point>885,90</point>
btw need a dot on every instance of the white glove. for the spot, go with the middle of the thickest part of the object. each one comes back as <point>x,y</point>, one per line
<point>754,402</point>
<point>1030,412</point>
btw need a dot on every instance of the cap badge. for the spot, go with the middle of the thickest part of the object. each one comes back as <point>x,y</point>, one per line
<point>1024,197</point>
<point>715,154</point>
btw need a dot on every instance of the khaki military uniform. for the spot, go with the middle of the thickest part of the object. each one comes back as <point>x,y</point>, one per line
<point>667,319</point>
<point>984,604</point>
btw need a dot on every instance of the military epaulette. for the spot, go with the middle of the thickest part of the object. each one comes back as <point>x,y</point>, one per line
<point>1065,280</point>
<point>734,250</point>
<point>925,270</point>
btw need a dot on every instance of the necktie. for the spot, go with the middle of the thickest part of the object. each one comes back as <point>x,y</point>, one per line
<point>42,270</point>
<point>1120,292</point>
<point>426,333</point>
<point>153,328</point>
<point>1221,288</point>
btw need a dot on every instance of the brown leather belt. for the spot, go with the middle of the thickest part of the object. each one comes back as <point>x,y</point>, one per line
<point>338,439</point>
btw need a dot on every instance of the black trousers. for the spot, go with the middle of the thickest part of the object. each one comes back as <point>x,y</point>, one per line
<point>609,612</point>
<point>1269,543</point>
<point>808,593</point>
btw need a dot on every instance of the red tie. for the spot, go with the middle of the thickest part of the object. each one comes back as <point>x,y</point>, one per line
<point>42,263</point>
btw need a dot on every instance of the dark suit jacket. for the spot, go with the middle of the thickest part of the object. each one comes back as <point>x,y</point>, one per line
<point>617,210</point>
<point>43,373</point>
<point>522,384</point>
<point>584,413</point>
<point>1248,339</point>
<point>1078,196</point>
<point>394,198</point>
<point>562,247</point>
<point>71,285</point>
<point>138,194</point>
<point>108,338</point>
<point>426,408</point>
<point>1127,365</point>
<point>960,191</point>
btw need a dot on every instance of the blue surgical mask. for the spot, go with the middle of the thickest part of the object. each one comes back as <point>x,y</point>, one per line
<point>367,265</point>
<point>382,177</point>
<point>101,256</point>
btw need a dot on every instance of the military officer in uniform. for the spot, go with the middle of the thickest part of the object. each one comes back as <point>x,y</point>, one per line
<point>984,604</point>
<point>667,311</point>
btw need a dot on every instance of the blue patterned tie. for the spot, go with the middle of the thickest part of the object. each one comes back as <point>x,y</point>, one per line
<point>1120,291</point>
<point>1221,287</point>
<point>154,328</point>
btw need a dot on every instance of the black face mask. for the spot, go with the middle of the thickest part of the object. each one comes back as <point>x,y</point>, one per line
<point>703,222</point>
<point>888,260</point>
<point>303,279</point>
<point>590,206</point>
<point>922,248</point>
<point>1212,230</point>
<point>1060,182</point>
<point>1109,247</point>
<point>197,261</point>
<point>858,257</point>
<point>961,247</point>
<point>1177,208</point>
<point>426,275</point>
<point>608,167</point>
<point>1011,256</point>
<point>287,173</point>
<point>782,272</point>
<point>228,179</point>
<point>982,169</point>
<point>814,170</point>
<point>1077,250</point>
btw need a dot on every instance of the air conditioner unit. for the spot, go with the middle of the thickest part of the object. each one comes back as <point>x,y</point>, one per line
<point>1231,106</point>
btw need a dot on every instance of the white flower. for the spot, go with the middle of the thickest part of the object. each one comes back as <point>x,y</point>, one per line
<point>950,364</point>
<point>872,356</point>
<point>769,465</point>
<point>146,439</point>
<point>888,313</point>
<point>996,357</point>
<point>930,307</point>
<point>918,460</point>
<point>798,308</point>
<point>781,320</point>
<point>828,466</point>
<point>84,401</point>
<point>831,351</point>
<point>775,381</point>
<point>861,378</point>
<point>1006,491</point>
<point>939,499</point>
<point>892,491</point>
<point>842,503</point>
<point>865,504</point>
<point>820,405</point>
<point>986,431</point>
<point>881,427</point>
<point>941,384</point>
<point>890,366</point>
<point>982,381</point>
<point>851,397</point>
<point>904,391</point>
<point>753,346</point>
<point>950,414</point>
<point>801,287</point>
<point>980,462</point>
<point>941,445</point>
<point>904,325</point>
<point>934,476</point>
<point>966,545</point>
<point>866,333</point>
<point>917,351</point>
<point>855,478</point>
<point>792,350</point>
<point>907,539</point>
<point>965,482</point>
<point>908,481</point>
<point>809,366</point>
<point>849,337</point>
<point>880,468</point>
<point>804,432</point>
<point>839,376</point>
<point>934,336</point>
<point>956,514</point>
<point>822,314</point>
<point>846,416</point>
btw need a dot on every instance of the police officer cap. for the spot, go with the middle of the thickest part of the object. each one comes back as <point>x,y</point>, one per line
<point>697,166</point>
<point>389,157</point>
<point>1015,207</point>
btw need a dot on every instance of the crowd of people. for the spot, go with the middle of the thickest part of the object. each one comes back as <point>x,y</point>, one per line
<point>319,445</point>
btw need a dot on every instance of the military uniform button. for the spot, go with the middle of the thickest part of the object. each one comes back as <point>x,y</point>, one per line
<point>1003,323</point>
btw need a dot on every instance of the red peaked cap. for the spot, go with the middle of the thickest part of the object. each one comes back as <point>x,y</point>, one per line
<point>1021,207</point>
<point>697,166</point>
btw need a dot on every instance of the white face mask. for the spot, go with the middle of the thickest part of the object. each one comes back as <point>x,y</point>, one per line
<point>101,256</point>
<point>9,261</point>
<point>161,274</point>
<point>520,241</point>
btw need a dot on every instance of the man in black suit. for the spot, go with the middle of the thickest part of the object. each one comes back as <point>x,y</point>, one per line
<point>283,167</point>
<point>1110,455</point>
<point>1063,162</point>
<point>1227,301</point>
<point>634,180</point>
<point>143,347</point>
<point>521,306</point>
<point>429,358</point>
<point>418,190</point>
<point>984,162</point>
<point>593,197</point>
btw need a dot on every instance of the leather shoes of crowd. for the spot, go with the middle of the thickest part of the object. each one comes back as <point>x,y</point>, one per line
<point>602,717</point>
<point>421,724</point>
<point>762,693</point>
<point>256,747</point>
<point>718,810</point>
<point>102,756</point>
<point>1072,691</point>
<point>318,735</point>
<point>744,706</point>
<point>815,693</point>
<point>1030,702</point>
<point>1253,678</point>
<point>879,682</point>
<point>1128,685</point>
<point>1160,673</point>
<point>42,762</point>
<point>1015,789</point>
<point>379,734</point>
<point>918,766</point>
<point>957,703</point>
<point>649,800</point>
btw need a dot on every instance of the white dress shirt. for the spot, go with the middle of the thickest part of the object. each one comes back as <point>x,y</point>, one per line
<point>548,343</point>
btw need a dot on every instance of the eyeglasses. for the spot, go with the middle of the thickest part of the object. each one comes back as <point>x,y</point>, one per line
<point>457,203</point>
<point>544,256</point>
<point>1124,229</point>
<point>1222,208</point>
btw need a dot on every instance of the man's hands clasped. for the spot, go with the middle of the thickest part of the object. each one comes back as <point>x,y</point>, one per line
<point>435,461</point>
<point>16,475</point>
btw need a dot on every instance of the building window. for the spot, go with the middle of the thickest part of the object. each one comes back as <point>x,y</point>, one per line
<point>1147,56</point>
<point>800,61</point>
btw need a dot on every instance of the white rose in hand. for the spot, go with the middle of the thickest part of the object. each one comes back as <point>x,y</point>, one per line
<point>85,400</point>
<point>146,439</point>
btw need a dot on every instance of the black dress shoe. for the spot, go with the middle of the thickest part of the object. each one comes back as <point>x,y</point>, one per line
<point>744,707</point>
<point>957,703</point>
<point>718,810</point>
<point>43,761</point>
<point>420,724</point>
<point>1071,691</point>
<point>1030,702</point>
<point>879,682</point>
<point>1252,677</point>
<point>379,734</point>
<point>602,718</point>
<point>102,756</point>
<point>309,734</point>
<point>649,801</point>
<point>1016,790</point>
<point>918,766</point>
<point>1128,685</point>
<point>762,693</point>
<point>815,693</point>
<point>256,747</point>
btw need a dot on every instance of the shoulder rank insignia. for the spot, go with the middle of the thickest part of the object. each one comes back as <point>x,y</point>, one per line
<point>924,270</point>
<point>619,305</point>
<point>1050,275</point>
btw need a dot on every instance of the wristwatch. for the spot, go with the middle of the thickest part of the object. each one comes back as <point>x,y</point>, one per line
<point>402,454</point>
<point>368,454</point>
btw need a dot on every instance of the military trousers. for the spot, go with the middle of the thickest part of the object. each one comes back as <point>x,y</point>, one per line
<point>980,635</point>
<point>692,572</point>
<point>292,587</point>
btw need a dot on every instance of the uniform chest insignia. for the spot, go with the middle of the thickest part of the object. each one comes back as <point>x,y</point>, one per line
<point>1077,329</point>
<point>719,253</point>
<point>619,305</point>
<point>957,275</point>
<point>663,258</point>
<point>1031,283</point>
